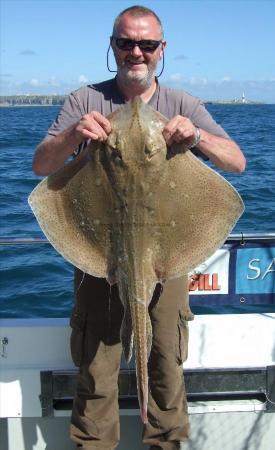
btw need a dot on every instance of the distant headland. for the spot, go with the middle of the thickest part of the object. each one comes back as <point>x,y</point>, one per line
<point>58,100</point>
<point>32,100</point>
<point>236,101</point>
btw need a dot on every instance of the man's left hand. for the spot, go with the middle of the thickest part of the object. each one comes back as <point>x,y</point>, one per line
<point>179,129</point>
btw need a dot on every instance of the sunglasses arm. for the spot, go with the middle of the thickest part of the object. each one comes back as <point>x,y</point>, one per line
<point>108,66</point>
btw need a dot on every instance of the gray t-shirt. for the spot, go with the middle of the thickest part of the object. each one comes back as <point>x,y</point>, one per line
<point>105,98</point>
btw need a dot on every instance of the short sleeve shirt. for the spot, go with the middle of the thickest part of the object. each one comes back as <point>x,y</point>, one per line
<point>105,98</point>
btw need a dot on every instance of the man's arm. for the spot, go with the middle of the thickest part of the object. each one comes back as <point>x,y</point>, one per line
<point>225,153</point>
<point>53,152</point>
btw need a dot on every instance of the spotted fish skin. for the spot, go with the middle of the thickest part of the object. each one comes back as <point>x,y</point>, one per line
<point>136,171</point>
<point>136,213</point>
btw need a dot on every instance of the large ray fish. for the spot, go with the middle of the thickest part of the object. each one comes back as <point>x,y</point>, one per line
<point>134,212</point>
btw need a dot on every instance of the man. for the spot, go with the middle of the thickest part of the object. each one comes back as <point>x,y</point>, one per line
<point>138,44</point>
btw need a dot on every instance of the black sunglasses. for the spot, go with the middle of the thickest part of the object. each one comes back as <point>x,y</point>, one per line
<point>146,45</point>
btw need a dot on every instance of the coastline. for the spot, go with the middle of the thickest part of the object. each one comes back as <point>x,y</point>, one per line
<point>206,102</point>
<point>27,105</point>
<point>26,100</point>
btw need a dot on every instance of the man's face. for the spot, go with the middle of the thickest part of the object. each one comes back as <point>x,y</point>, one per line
<point>137,65</point>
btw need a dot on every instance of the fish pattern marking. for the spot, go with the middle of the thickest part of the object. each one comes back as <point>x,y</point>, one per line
<point>136,213</point>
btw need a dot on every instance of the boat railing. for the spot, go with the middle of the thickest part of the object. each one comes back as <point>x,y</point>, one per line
<point>239,237</point>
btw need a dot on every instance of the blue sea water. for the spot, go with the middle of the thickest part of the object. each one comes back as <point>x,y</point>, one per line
<point>35,280</point>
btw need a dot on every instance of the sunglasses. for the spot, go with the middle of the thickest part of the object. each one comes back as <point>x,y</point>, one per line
<point>146,45</point>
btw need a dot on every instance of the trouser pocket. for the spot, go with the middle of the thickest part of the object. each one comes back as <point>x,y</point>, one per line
<point>183,336</point>
<point>78,324</point>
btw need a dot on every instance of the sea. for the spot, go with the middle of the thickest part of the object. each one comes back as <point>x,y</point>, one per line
<point>35,280</point>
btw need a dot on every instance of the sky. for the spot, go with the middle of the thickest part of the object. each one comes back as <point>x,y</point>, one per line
<point>215,49</point>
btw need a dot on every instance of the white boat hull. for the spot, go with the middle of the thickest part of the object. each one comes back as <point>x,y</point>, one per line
<point>216,341</point>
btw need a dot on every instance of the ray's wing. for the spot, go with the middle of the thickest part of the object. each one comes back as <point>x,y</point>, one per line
<point>72,206</point>
<point>198,209</point>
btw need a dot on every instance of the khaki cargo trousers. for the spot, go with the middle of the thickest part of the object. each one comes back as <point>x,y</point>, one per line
<point>96,349</point>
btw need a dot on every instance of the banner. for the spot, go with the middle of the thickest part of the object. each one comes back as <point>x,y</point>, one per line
<point>239,277</point>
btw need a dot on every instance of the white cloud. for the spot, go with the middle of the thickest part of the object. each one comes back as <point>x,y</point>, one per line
<point>82,79</point>
<point>34,82</point>
<point>197,81</point>
<point>200,87</point>
<point>54,82</point>
<point>193,81</point>
<point>226,78</point>
<point>255,90</point>
<point>176,77</point>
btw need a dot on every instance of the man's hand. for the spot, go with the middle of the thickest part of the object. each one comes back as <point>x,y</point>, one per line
<point>92,126</point>
<point>223,152</point>
<point>53,152</point>
<point>179,129</point>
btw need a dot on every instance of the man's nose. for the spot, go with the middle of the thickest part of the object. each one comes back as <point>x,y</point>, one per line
<point>136,51</point>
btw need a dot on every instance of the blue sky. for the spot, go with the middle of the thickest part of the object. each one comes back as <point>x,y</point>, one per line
<point>215,49</point>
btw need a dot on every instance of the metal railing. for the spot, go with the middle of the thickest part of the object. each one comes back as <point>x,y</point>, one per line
<point>22,241</point>
<point>242,237</point>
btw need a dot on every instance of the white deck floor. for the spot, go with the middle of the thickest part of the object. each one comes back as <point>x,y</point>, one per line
<point>212,431</point>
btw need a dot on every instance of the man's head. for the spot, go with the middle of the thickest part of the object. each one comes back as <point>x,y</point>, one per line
<point>137,63</point>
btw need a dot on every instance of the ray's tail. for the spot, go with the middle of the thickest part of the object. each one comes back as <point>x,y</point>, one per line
<point>136,331</point>
<point>140,317</point>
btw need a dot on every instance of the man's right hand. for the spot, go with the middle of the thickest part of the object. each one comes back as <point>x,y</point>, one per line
<point>52,153</point>
<point>92,126</point>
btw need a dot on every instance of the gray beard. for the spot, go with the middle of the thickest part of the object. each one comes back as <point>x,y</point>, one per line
<point>128,78</point>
